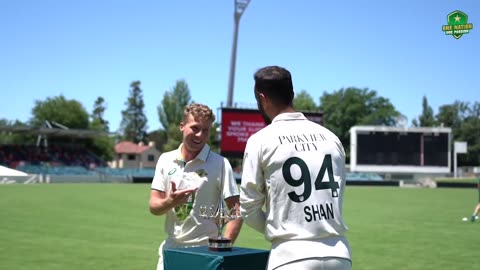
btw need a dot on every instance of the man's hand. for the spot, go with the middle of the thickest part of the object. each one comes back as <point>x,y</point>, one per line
<point>179,197</point>
<point>161,202</point>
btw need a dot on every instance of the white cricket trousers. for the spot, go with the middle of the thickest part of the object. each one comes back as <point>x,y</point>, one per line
<point>160,256</point>
<point>328,263</point>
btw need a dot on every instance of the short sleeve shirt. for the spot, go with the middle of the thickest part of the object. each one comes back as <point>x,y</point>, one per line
<point>171,167</point>
<point>295,168</point>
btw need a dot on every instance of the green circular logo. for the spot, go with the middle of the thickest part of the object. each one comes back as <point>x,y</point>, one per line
<point>172,171</point>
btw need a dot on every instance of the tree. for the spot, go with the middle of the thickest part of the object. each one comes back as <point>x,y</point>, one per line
<point>134,122</point>
<point>99,108</point>
<point>471,134</point>
<point>159,137</point>
<point>426,119</point>
<point>213,140</point>
<point>170,112</point>
<point>8,137</point>
<point>452,115</point>
<point>304,102</point>
<point>69,113</point>
<point>174,138</point>
<point>464,120</point>
<point>102,146</point>
<point>72,114</point>
<point>5,137</point>
<point>348,107</point>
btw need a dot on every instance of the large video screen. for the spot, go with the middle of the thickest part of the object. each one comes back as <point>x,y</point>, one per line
<point>239,124</point>
<point>390,149</point>
<point>397,148</point>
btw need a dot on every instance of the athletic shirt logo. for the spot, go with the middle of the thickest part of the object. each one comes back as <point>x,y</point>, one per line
<point>172,171</point>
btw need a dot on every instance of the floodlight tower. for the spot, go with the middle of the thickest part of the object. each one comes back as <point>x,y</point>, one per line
<point>240,7</point>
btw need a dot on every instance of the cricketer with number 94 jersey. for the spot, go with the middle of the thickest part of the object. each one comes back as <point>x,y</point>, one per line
<point>293,181</point>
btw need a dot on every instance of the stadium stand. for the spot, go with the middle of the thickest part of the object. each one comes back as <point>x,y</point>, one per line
<point>55,155</point>
<point>61,151</point>
<point>62,160</point>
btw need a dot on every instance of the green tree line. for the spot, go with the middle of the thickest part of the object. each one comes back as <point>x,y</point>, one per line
<point>342,109</point>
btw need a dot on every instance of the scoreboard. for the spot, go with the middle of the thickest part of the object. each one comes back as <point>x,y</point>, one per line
<point>400,150</point>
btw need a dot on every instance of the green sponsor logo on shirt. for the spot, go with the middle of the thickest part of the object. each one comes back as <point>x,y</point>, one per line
<point>183,211</point>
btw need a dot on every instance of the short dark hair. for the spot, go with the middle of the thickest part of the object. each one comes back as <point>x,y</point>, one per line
<point>276,83</point>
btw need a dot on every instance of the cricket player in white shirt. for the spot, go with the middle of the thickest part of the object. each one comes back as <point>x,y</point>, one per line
<point>176,195</point>
<point>293,181</point>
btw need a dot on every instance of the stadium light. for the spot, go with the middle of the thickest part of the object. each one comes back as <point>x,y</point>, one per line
<point>240,7</point>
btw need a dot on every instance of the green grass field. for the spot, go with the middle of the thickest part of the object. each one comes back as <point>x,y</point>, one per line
<point>471,180</point>
<point>108,226</point>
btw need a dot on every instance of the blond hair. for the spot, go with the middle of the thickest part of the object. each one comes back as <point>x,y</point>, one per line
<point>199,112</point>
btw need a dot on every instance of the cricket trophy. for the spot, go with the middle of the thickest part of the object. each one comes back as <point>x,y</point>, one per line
<point>220,215</point>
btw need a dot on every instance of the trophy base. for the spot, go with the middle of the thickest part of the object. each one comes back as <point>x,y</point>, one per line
<point>219,244</point>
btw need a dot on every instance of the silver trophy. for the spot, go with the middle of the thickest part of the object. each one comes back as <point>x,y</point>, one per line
<point>220,215</point>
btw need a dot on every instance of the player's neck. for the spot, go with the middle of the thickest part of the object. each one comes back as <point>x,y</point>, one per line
<point>188,155</point>
<point>287,109</point>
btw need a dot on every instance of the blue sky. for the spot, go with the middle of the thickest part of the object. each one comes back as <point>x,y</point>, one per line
<point>84,49</point>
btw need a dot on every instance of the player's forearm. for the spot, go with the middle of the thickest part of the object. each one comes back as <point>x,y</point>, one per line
<point>232,229</point>
<point>161,206</point>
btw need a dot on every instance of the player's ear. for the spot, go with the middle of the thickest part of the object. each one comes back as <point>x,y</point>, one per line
<point>266,102</point>
<point>262,98</point>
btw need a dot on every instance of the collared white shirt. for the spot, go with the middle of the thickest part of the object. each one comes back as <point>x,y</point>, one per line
<point>170,167</point>
<point>295,168</point>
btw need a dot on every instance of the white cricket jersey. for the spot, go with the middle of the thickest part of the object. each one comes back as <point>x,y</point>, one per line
<point>194,230</point>
<point>296,169</point>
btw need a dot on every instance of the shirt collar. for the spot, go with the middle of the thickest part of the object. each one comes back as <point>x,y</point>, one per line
<point>289,117</point>
<point>202,155</point>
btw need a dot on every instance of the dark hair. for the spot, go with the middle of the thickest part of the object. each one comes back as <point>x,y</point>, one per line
<point>276,83</point>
